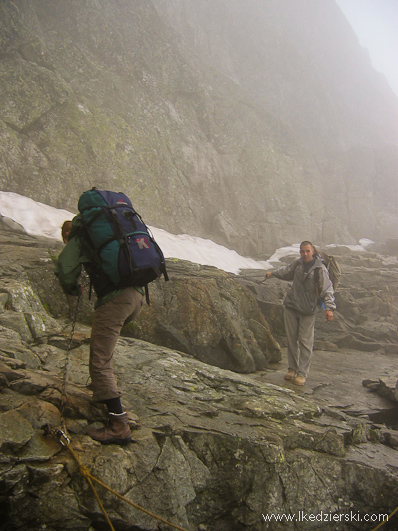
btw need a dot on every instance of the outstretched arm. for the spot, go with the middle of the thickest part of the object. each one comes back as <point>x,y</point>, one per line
<point>285,272</point>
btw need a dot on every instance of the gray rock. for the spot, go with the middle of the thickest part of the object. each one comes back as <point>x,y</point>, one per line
<point>204,432</point>
<point>15,432</point>
<point>7,223</point>
<point>211,447</point>
<point>203,312</point>
<point>386,386</point>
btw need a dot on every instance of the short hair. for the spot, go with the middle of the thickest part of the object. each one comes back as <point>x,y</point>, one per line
<point>305,243</point>
<point>65,230</point>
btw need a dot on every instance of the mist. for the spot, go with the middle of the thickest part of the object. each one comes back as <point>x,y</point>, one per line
<point>253,125</point>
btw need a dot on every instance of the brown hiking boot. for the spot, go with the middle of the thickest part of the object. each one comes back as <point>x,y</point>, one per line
<point>117,430</point>
<point>299,380</point>
<point>290,375</point>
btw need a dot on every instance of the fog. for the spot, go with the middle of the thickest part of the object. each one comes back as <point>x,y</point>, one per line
<point>375,22</point>
<point>250,123</point>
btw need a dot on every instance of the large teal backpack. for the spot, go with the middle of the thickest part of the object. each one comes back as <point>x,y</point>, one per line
<point>120,240</point>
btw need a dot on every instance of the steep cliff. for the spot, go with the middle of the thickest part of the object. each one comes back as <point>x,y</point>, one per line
<point>253,123</point>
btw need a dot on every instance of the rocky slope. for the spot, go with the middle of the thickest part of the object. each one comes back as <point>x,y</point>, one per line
<point>256,124</point>
<point>213,449</point>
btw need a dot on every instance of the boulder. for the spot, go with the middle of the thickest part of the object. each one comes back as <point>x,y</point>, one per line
<point>204,312</point>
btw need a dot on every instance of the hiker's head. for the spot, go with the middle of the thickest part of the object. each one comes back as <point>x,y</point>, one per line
<point>65,230</point>
<point>307,251</point>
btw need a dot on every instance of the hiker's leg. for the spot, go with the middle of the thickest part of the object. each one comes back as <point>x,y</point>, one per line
<point>306,343</point>
<point>292,329</point>
<point>137,307</point>
<point>108,321</point>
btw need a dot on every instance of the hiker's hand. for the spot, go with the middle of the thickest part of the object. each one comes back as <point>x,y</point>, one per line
<point>329,315</point>
<point>268,274</point>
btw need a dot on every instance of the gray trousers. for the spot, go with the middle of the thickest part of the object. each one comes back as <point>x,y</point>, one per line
<point>300,341</point>
<point>109,319</point>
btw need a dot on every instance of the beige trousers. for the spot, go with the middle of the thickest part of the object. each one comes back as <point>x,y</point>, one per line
<point>109,319</point>
<point>300,341</point>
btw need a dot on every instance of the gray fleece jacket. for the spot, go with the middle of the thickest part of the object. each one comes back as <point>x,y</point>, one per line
<point>302,296</point>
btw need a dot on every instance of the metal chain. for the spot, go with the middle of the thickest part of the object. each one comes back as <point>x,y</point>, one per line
<point>65,369</point>
<point>65,441</point>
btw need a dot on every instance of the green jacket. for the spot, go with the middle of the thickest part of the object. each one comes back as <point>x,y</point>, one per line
<point>77,254</point>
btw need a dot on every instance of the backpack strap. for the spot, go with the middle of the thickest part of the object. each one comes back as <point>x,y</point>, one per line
<point>147,294</point>
<point>316,276</point>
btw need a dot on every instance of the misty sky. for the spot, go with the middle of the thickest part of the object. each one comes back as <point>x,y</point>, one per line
<point>375,22</point>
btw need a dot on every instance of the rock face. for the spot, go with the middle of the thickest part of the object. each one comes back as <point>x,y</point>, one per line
<point>215,450</point>
<point>204,312</point>
<point>212,449</point>
<point>232,124</point>
<point>201,311</point>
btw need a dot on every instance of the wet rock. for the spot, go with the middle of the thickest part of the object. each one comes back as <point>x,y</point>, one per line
<point>208,443</point>
<point>204,312</point>
<point>386,386</point>
<point>202,429</point>
<point>15,432</point>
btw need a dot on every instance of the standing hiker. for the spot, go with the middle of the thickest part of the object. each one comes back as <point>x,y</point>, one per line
<point>113,308</point>
<point>311,284</point>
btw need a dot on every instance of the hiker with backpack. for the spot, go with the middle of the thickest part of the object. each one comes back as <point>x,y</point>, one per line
<point>311,288</point>
<point>112,243</point>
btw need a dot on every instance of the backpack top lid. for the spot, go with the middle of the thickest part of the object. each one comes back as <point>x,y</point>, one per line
<point>102,198</point>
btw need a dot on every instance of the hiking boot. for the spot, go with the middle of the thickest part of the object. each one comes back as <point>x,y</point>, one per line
<point>117,430</point>
<point>290,375</point>
<point>299,380</point>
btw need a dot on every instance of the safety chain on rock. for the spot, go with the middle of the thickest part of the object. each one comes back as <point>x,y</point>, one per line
<point>61,435</point>
<point>65,370</point>
<point>65,441</point>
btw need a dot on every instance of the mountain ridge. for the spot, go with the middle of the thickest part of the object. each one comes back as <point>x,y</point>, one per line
<point>256,147</point>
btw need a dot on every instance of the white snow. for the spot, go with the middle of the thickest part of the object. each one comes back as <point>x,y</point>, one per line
<point>39,219</point>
